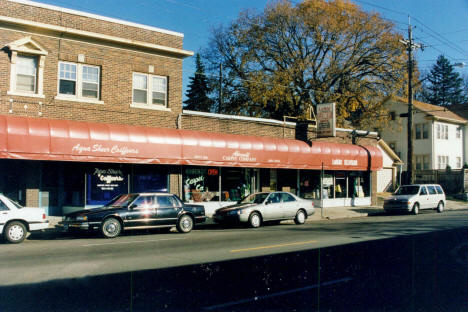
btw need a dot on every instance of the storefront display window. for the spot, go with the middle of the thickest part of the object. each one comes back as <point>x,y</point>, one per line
<point>103,184</point>
<point>359,184</point>
<point>287,180</point>
<point>309,184</point>
<point>201,184</point>
<point>235,183</point>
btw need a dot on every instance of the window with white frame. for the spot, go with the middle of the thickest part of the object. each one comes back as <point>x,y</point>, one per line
<point>458,133</point>
<point>459,162</point>
<point>421,131</point>
<point>422,162</point>
<point>149,90</point>
<point>442,132</point>
<point>79,81</point>
<point>27,68</point>
<point>26,73</point>
<point>442,162</point>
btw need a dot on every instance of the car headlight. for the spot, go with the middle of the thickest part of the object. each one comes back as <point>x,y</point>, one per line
<point>82,218</point>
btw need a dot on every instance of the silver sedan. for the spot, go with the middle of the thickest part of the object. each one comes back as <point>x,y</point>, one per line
<point>260,207</point>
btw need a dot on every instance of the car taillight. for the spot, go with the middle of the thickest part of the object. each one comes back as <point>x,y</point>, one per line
<point>312,203</point>
<point>44,216</point>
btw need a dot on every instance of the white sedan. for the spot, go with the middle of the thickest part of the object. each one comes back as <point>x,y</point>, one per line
<point>16,221</point>
<point>260,207</point>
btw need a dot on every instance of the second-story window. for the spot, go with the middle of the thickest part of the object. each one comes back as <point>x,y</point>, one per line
<point>79,81</point>
<point>26,73</point>
<point>421,131</point>
<point>149,90</point>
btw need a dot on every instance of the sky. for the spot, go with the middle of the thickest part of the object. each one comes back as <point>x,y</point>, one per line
<point>440,25</point>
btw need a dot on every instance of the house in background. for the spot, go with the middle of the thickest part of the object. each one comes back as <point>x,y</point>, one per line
<point>438,135</point>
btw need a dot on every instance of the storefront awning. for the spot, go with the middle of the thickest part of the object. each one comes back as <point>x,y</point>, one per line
<point>63,140</point>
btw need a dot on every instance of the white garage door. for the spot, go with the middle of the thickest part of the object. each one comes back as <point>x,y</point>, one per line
<point>384,180</point>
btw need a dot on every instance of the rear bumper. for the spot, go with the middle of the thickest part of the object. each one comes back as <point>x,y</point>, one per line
<point>36,226</point>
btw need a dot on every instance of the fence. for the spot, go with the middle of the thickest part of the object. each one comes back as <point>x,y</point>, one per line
<point>453,181</point>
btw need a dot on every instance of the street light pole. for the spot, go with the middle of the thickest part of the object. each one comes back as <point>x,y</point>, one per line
<point>410,45</point>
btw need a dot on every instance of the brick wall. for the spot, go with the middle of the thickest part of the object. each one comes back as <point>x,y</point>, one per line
<point>245,127</point>
<point>116,65</point>
<point>58,18</point>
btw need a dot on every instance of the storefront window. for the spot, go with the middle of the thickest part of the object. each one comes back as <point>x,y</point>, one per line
<point>103,184</point>
<point>201,184</point>
<point>235,183</point>
<point>149,178</point>
<point>340,184</point>
<point>359,184</point>
<point>310,184</point>
<point>265,185</point>
<point>287,180</point>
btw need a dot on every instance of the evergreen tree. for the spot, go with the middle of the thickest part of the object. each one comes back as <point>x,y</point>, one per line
<point>198,90</point>
<point>445,86</point>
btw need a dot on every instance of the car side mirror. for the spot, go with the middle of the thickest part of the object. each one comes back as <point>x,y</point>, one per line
<point>132,206</point>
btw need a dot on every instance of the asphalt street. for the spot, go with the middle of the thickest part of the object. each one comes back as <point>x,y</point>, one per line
<point>380,263</point>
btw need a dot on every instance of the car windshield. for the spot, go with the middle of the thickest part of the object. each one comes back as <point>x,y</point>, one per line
<point>408,190</point>
<point>122,200</point>
<point>254,198</point>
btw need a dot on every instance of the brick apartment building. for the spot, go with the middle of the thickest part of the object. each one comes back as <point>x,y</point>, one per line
<point>92,106</point>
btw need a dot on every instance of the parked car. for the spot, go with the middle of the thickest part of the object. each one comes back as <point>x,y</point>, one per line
<point>16,221</point>
<point>261,207</point>
<point>413,198</point>
<point>136,211</point>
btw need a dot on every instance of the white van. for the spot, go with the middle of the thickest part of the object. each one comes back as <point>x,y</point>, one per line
<point>412,198</point>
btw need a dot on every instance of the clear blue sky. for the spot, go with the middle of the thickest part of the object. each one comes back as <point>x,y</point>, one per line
<point>442,25</point>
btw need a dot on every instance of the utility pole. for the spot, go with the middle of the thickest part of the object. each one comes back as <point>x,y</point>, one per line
<point>220,105</point>
<point>410,46</point>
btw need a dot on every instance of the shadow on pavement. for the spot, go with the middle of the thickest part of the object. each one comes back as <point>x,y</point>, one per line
<point>418,273</point>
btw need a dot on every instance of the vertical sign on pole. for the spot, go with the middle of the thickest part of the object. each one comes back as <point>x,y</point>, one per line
<point>326,120</point>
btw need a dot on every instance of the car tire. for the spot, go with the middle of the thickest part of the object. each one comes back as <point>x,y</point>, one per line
<point>111,228</point>
<point>185,224</point>
<point>300,217</point>
<point>415,210</point>
<point>440,207</point>
<point>255,220</point>
<point>15,232</point>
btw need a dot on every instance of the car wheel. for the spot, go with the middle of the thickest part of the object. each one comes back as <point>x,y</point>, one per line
<point>415,210</point>
<point>300,217</point>
<point>440,207</point>
<point>111,228</point>
<point>15,232</point>
<point>185,224</point>
<point>255,220</point>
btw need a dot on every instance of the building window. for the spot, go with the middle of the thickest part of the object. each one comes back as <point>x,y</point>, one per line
<point>422,162</point>
<point>27,68</point>
<point>443,161</point>
<point>26,73</point>
<point>392,115</point>
<point>459,162</point>
<point>149,90</point>
<point>421,131</point>
<point>79,81</point>
<point>458,132</point>
<point>442,132</point>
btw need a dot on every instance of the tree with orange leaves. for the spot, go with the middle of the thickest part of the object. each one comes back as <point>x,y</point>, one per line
<point>289,58</point>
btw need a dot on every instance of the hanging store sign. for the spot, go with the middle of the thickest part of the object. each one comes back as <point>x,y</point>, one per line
<point>326,120</point>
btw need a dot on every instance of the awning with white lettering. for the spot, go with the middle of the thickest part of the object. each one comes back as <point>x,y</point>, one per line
<point>64,140</point>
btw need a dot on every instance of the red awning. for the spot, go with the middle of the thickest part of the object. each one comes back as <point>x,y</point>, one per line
<point>64,140</point>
